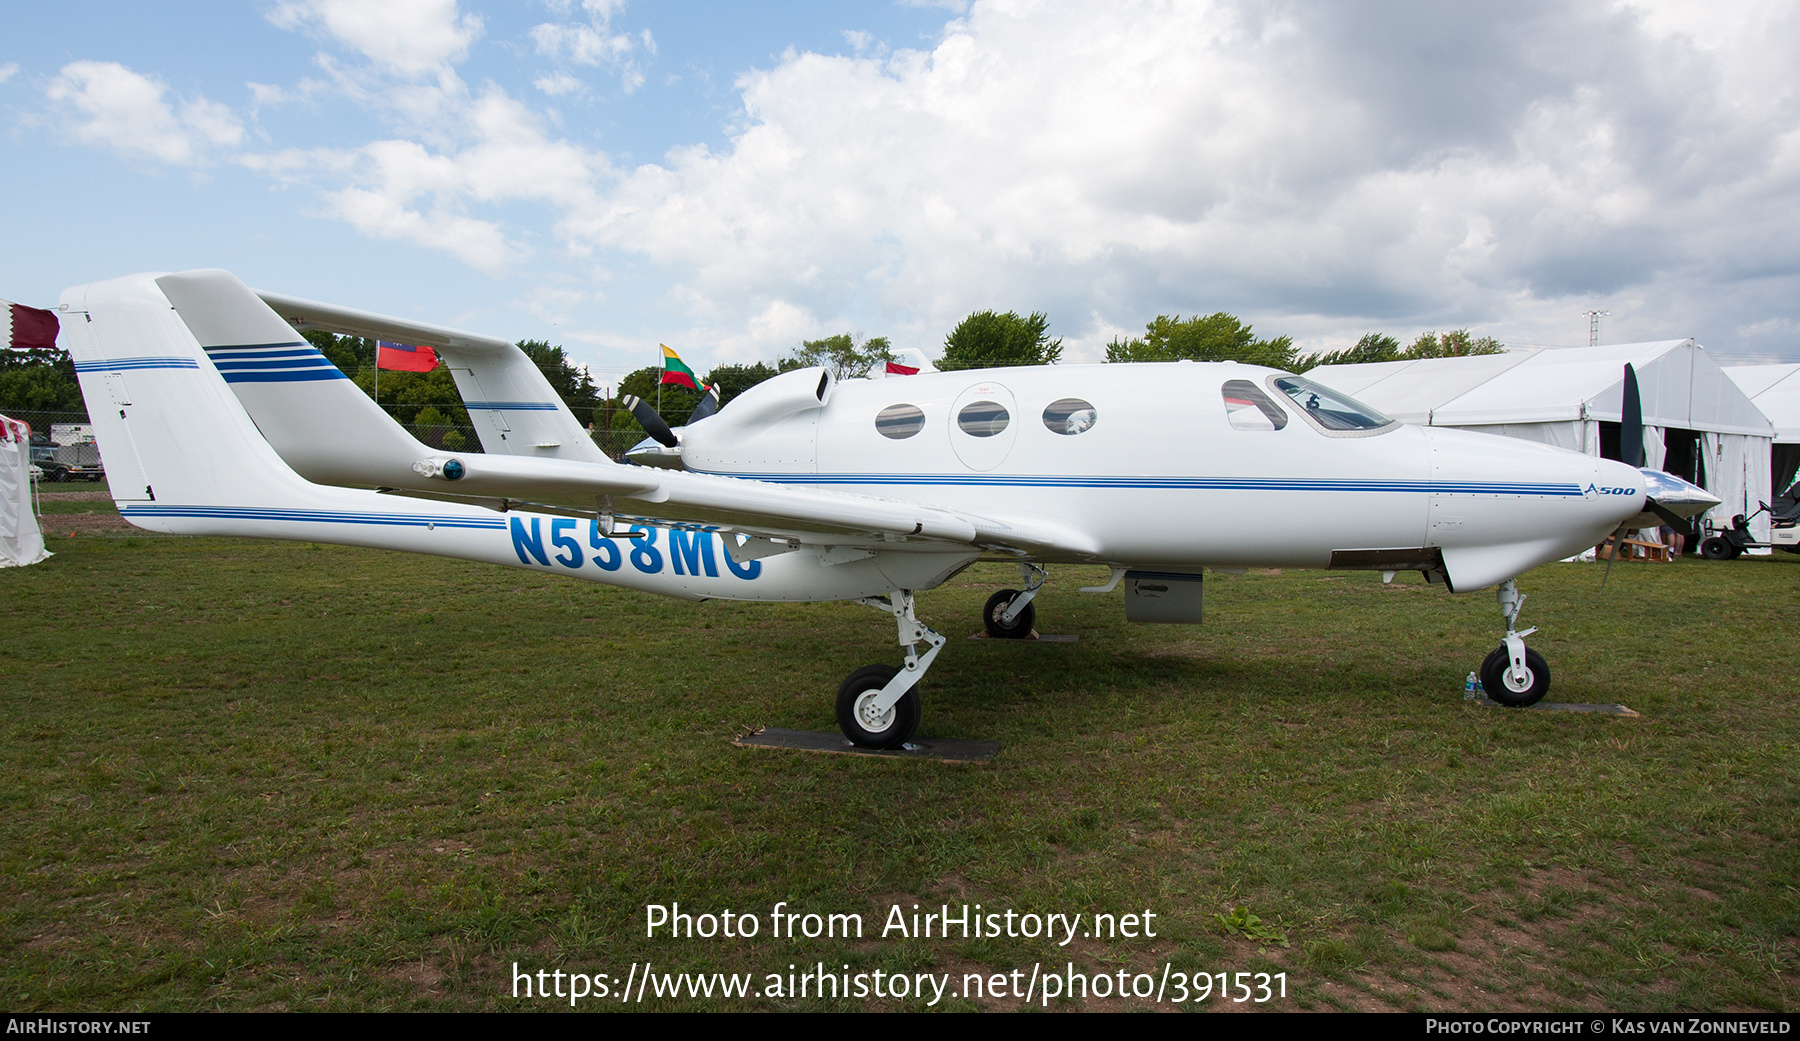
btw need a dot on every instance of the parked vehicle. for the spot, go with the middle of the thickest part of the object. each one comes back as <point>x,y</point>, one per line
<point>1784,529</point>
<point>69,462</point>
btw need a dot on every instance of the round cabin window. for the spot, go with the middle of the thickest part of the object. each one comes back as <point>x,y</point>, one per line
<point>983,418</point>
<point>1070,416</point>
<point>900,421</point>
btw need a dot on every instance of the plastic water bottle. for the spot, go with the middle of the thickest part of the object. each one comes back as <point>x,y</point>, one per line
<point>1472,688</point>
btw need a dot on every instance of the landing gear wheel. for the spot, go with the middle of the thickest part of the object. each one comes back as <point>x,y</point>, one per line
<point>996,606</point>
<point>857,718</point>
<point>1716,548</point>
<point>1496,685</point>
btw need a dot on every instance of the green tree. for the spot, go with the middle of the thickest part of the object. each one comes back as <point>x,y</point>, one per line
<point>1454,344</point>
<point>988,339</point>
<point>404,394</point>
<point>1375,347</point>
<point>677,402</point>
<point>39,381</point>
<point>351,354</point>
<point>571,382</point>
<point>1372,347</point>
<point>843,354</point>
<point>433,428</point>
<point>1215,337</point>
<point>733,380</point>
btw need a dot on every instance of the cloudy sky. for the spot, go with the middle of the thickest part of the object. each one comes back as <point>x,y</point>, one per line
<point>733,179</point>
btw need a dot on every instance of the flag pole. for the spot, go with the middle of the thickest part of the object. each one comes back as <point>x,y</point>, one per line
<point>664,363</point>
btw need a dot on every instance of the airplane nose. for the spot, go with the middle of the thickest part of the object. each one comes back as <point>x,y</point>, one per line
<point>1502,506</point>
<point>1616,490</point>
<point>1669,499</point>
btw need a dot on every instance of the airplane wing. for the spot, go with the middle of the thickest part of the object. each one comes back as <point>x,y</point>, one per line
<point>785,512</point>
<point>329,431</point>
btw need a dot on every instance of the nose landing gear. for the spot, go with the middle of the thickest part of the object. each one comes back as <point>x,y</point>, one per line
<point>1513,674</point>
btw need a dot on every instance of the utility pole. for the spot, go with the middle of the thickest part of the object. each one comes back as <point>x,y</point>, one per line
<point>1593,318</point>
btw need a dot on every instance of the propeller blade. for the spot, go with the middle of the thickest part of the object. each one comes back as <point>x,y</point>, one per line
<point>651,422</point>
<point>709,403</point>
<point>1617,541</point>
<point>1631,422</point>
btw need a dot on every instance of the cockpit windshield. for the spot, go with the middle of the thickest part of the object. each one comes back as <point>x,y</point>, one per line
<point>1330,410</point>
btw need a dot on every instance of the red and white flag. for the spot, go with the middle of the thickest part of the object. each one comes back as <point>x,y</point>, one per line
<point>27,328</point>
<point>400,357</point>
<point>894,368</point>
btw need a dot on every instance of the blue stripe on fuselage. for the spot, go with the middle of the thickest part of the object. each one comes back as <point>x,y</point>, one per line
<point>1276,484</point>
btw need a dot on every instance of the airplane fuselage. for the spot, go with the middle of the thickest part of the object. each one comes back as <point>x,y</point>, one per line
<point>1180,465</point>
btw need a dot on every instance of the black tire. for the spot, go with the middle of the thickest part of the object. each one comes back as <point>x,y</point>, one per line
<point>892,730</point>
<point>1716,548</point>
<point>996,606</point>
<point>1493,678</point>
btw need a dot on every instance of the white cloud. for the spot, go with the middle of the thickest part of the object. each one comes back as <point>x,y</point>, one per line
<point>8,70</point>
<point>1319,170</point>
<point>557,85</point>
<point>480,244</point>
<point>410,37</point>
<point>1106,163</point>
<point>594,42</point>
<point>402,189</point>
<point>267,93</point>
<point>109,106</point>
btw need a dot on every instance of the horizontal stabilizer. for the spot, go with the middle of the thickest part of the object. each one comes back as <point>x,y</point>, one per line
<point>349,321</point>
<point>514,409</point>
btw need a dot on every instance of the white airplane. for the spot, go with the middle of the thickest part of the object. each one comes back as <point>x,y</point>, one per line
<point>216,418</point>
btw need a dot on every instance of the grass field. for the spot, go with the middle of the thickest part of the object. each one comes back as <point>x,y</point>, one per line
<point>244,775</point>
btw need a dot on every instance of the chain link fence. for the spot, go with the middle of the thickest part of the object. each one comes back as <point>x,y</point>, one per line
<point>445,437</point>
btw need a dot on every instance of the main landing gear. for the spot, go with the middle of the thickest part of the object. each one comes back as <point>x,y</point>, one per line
<point>1009,614</point>
<point>1513,674</point>
<point>879,706</point>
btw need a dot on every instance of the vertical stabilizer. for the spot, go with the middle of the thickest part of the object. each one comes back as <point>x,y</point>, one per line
<point>514,409</point>
<point>313,416</point>
<point>169,429</point>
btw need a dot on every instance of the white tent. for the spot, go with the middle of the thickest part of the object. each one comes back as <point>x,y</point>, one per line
<point>20,541</point>
<point>1776,391</point>
<point>1561,396</point>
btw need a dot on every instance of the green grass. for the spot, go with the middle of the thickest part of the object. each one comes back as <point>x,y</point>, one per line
<point>249,775</point>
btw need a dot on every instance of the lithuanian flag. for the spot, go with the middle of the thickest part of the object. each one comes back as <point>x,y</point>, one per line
<point>676,371</point>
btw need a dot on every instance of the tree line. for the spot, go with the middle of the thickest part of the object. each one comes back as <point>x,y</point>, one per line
<point>44,381</point>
